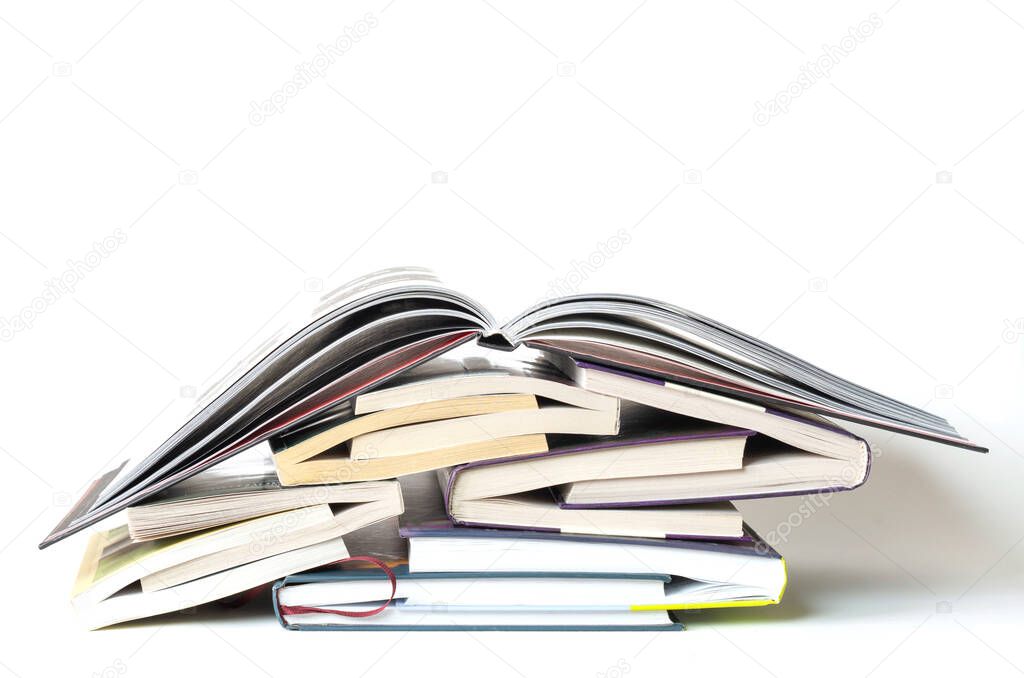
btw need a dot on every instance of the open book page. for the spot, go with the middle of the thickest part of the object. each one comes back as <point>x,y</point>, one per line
<point>356,328</point>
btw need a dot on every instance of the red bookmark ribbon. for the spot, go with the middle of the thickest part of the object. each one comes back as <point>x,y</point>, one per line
<point>302,609</point>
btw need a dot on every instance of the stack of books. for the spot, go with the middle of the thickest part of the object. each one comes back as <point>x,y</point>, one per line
<point>403,462</point>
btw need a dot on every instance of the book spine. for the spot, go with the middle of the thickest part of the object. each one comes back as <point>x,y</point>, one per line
<point>497,340</point>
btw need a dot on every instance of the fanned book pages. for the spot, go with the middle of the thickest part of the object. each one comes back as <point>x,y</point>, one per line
<point>381,325</point>
<point>120,580</point>
<point>792,453</point>
<point>520,492</point>
<point>540,510</point>
<point>241,488</point>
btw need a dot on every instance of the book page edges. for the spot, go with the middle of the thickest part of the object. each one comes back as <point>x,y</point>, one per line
<point>326,471</point>
<point>712,605</point>
<point>424,412</point>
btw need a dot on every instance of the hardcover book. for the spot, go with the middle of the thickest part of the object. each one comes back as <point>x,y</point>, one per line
<point>338,600</point>
<point>745,572</point>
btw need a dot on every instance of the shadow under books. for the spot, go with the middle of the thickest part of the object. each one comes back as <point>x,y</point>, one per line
<point>255,609</point>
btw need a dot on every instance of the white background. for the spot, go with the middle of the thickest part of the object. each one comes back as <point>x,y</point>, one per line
<point>874,227</point>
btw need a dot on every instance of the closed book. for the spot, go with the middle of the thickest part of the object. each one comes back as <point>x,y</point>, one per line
<point>338,600</point>
<point>744,572</point>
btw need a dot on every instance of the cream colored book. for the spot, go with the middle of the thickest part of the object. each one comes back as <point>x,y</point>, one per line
<point>243,487</point>
<point>443,379</point>
<point>344,427</point>
<point>650,443</point>
<point>323,453</point>
<point>435,436</point>
<point>134,604</point>
<point>439,414</point>
<point>345,469</point>
<point>120,580</point>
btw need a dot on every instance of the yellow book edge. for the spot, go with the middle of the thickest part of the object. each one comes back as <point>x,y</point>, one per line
<point>723,603</point>
<point>90,562</point>
<point>96,567</point>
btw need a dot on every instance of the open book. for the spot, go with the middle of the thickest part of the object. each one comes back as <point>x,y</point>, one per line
<point>380,325</point>
<point>120,580</point>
